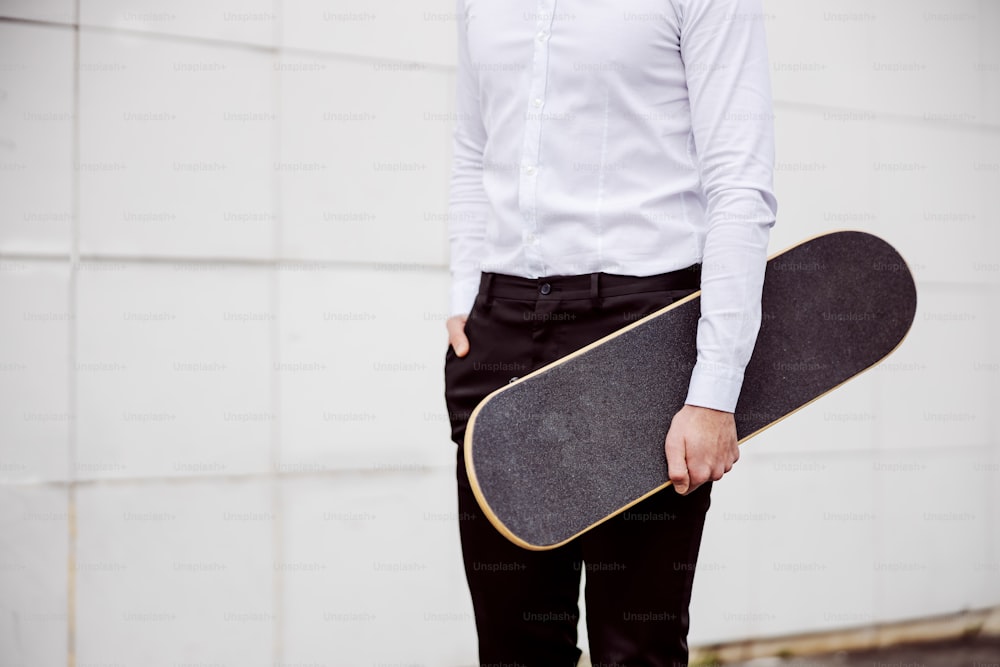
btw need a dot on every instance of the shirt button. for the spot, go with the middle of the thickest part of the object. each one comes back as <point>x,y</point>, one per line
<point>538,102</point>
<point>545,288</point>
<point>542,35</point>
<point>529,170</point>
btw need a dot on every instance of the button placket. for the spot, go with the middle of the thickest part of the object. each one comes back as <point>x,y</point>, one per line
<point>527,192</point>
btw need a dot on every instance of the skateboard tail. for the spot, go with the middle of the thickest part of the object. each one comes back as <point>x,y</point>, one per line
<point>893,324</point>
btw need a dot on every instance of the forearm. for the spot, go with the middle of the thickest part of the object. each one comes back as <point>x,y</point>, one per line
<point>732,279</point>
<point>465,239</point>
<point>725,54</point>
<point>467,201</point>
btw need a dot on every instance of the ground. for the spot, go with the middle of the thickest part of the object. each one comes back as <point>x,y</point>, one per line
<point>979,652</point>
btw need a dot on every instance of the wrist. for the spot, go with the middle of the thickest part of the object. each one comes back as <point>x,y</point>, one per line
<point>708,409</point>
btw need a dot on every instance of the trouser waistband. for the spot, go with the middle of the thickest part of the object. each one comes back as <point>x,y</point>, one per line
<point>591,286</point>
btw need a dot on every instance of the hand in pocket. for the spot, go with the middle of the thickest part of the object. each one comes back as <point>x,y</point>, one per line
<point>456,334</point>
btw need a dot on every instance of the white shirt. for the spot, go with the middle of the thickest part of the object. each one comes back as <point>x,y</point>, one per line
<point>626,137</point>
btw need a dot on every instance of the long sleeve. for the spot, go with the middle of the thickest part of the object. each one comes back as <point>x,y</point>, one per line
<point>724,50</point>
<point>467,198</point>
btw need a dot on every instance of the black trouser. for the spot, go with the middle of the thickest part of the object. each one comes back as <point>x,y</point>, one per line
<point>640,564</point>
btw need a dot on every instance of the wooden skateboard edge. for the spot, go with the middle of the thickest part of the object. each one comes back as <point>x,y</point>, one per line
<point>470,425</point>
<point>470,467</point>
<point>506,532</point>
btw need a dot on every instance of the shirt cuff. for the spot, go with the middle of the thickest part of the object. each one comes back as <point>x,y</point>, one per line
<point>463,295</point>
<point>715,386</point>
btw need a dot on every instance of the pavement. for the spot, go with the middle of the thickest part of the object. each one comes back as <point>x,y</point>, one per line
<point>974,652</point>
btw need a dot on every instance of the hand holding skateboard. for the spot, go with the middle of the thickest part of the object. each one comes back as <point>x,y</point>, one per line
<point>700,446</point>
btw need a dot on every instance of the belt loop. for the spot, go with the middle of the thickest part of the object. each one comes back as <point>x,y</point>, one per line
<point>487,290</point>
<point>696,269</point>
<point>595,290</point>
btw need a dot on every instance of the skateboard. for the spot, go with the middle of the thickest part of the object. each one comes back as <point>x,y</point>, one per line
<point>568,446</point>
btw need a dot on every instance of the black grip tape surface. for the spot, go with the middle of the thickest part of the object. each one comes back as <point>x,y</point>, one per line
<point>580,440</point>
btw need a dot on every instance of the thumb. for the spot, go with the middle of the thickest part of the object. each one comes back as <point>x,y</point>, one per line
<point>460,343</point>
<point>677,461</point>
<point>456,334</point>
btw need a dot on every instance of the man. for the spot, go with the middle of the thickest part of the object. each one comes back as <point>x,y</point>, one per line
<point>609,158</point>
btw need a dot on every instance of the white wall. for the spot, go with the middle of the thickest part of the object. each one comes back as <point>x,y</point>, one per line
<point>879,502</point>
<point>222,287</point>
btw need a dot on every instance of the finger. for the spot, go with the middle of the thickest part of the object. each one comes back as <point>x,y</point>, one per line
<point>676,463</point>
<point>733,458</point>
<point>699,475</point>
